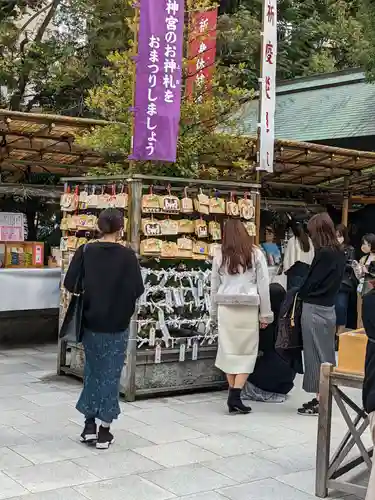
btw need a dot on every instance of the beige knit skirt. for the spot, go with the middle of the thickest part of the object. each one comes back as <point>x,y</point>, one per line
<point>238,338</point>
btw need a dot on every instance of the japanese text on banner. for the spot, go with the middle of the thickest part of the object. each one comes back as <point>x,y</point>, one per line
<point>268,93</point>
<point>201,52</point>
<point>158,80</point>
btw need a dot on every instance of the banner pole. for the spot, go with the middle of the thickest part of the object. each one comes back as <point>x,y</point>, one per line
<point>259,128</point>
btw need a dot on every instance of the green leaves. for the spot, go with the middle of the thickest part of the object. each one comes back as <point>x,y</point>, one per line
<point>315,36</point>
<point>52,56</point>
<point>205,126</point>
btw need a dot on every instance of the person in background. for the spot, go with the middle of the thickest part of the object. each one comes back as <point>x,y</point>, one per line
<point>318,294</point>
<point>368,315</point>
<point>360,269</point>
<point>348,280</point>
<point>273,376</point>
<point>271,249</point>
<point>112,284</point>
<point>240,303</point>
<point>298,257</point>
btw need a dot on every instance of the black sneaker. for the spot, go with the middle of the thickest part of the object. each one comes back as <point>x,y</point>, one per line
<point>105,438</point>
<point>89,434</point>
<point>310,409</point>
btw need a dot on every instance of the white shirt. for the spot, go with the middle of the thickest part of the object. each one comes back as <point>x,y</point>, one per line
<point>294,253</point>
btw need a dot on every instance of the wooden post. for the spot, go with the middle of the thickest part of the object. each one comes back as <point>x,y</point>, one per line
<point>345,205</point>
<point>324,431</point>
<point>135,219</point>
<point>134,226</point>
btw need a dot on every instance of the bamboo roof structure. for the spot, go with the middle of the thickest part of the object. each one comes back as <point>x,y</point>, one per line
<point>321,168</point>
<point>31,142</point>
<point>25,191</point>
<point>43,143</point>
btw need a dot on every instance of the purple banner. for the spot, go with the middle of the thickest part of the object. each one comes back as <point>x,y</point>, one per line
<point>158,80</point>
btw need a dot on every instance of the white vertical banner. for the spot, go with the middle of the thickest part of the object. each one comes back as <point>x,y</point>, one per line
<point>268,86</point>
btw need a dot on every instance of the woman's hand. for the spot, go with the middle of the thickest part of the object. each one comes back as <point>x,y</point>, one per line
<point>263,324</point>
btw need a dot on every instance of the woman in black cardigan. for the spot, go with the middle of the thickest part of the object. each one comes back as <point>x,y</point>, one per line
<point>318,294</point>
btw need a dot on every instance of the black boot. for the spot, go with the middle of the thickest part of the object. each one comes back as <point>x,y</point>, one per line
<point>235,405</point>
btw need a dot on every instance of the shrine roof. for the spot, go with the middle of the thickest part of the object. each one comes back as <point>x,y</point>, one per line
<point>317,108</point>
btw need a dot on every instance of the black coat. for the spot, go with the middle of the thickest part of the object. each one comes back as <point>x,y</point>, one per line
<point>368,315</point>
<point>273,372</point>
<point>349,281</point>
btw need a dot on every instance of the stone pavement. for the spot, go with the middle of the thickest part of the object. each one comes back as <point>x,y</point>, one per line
<point>183,447</point>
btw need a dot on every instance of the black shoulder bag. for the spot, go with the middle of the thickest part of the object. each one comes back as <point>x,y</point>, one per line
<point>72,327</point>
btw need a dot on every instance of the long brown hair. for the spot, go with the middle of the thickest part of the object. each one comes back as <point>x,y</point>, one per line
<point>236,248</point>
<point>301,236</point>
<point>322,231</point>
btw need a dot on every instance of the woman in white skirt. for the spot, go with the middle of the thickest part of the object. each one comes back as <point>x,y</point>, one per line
<point>240,303</point>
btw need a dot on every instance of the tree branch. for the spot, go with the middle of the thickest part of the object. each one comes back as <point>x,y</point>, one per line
<point>23,80</point>
<point>35,16</point>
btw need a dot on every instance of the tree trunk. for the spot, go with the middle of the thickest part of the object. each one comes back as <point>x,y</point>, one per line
<point>18,95</point>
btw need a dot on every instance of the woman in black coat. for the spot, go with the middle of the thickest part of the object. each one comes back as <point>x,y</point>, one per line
<point>273,376</point>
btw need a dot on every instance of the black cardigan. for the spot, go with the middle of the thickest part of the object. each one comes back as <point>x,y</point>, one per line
<point>325,276</point>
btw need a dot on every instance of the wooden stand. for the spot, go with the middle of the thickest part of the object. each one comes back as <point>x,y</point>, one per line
<point>142,375</point>
<point>329,469</point>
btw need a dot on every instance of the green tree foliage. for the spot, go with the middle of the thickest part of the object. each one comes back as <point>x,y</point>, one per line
<point>315,36</point>
<point>53,51</point>
<point>367,13</point>
<point>199,138</point>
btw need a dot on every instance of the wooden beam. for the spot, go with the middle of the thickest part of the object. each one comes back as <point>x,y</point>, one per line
<point>57,119</point>
<point>322,148</point>
<point>46,164</point>
<point>345,205</point>
<point>364,200</point>
<point>150,179</point>
<point>35,152</point>
<point>292,185</point>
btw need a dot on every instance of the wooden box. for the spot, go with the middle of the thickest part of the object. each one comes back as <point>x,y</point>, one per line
<point>24,254</point>
<point>352,352</point>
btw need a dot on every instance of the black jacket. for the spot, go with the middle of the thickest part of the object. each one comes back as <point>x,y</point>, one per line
<point>368,315</point>
<point>349,280</point>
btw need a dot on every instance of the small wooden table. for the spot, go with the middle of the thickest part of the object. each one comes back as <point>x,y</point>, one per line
<point>330,470</point>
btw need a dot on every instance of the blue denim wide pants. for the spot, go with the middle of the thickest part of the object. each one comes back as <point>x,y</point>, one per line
<point>104,361</point>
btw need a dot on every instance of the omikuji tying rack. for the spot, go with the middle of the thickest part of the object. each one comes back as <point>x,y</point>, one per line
<point>171,346</point>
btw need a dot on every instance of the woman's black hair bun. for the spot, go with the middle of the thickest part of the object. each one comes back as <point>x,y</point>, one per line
<point>110,221</point>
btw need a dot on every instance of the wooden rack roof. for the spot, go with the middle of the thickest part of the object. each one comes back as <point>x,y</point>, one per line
<point>31,190</point>
<point>320,167</point>
<point>31,142</point>
<point>45,143</point>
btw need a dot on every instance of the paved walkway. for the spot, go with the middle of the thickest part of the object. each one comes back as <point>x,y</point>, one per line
<point>180,447</point>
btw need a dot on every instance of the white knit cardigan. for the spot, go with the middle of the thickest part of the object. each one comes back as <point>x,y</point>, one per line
<point>250,287</point>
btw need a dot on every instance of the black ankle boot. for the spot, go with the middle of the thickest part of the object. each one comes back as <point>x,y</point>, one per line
<point>235,405</point>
